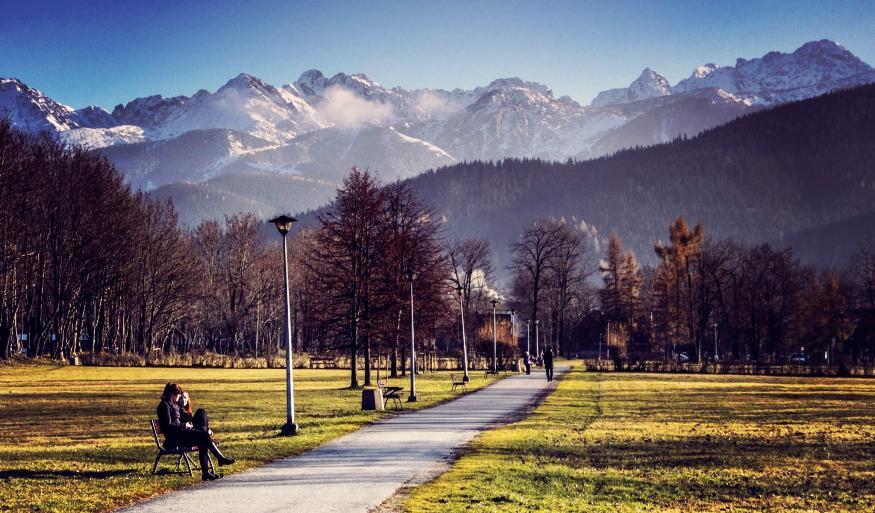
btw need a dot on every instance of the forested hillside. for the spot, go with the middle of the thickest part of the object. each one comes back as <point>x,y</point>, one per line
<point>763,177</point>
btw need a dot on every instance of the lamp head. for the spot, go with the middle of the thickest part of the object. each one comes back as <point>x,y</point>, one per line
<point>460,290</point>
<point>493,303</point>
<point>284,223</point>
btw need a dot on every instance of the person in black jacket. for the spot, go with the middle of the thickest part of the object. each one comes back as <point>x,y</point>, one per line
<point>548,363</point>
<point>179,434</point>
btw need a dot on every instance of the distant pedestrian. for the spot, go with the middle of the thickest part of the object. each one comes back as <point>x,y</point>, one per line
<point>527,361</point>
<point>548,363</point>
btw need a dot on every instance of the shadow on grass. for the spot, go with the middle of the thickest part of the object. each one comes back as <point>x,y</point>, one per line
<point>67,474</point>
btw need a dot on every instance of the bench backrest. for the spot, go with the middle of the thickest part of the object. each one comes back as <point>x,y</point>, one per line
<point>156,430</point>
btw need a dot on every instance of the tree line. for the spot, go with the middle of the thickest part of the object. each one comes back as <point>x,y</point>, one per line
<point>715,298</point>
<point>89,266</point>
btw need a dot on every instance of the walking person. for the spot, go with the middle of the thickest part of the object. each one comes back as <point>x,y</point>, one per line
<point>548,362</point>
<point>527,361</point>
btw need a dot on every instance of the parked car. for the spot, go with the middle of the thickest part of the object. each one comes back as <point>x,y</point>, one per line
<point>798,359</point>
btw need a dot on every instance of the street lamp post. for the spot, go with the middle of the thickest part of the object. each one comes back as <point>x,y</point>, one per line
<point>412,397</point>
<point>512,328</point>
<point>537,347</point>
<point>528,345</point>
<point>494,340</point>
<point>283,224</point>
<point>715,342</point>
<point>461,291</point>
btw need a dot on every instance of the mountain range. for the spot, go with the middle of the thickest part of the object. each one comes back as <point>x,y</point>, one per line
<point>252,146</point>
<point>798,175</point>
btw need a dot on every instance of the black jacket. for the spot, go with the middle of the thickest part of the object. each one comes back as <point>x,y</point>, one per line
<point>168,418</point>
<point>548,358</point>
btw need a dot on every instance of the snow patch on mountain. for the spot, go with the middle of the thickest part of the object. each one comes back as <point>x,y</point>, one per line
<point>93,138</point>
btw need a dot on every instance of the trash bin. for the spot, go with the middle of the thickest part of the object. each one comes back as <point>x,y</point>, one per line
<point>372,399</point>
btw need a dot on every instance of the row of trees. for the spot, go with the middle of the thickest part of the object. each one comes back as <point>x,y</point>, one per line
<point>89,266</point>
<point>716,297</point>
<point>86,265</point>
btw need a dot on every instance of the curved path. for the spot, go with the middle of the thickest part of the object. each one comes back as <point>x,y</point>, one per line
<point>357,472</point>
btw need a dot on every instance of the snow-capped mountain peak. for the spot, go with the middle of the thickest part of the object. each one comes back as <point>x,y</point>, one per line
<point>812,69</point>
<point>30,110</point>
<point>516,83</point>
<point>311,83</point>
<point>649,84</point>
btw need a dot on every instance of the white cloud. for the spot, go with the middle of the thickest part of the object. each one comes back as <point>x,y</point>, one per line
<point>435,105</point>
<point>343,108</point>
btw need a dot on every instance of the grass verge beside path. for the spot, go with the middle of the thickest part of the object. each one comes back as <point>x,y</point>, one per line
<point>673,443</point>
<point>76,439</point>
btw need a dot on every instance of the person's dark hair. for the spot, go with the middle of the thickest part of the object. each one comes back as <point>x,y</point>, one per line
<point>170,389</point>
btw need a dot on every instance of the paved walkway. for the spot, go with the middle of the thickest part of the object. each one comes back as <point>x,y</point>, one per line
<point>360,470</point>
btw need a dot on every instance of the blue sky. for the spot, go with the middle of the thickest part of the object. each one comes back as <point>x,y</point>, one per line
<point>107,52</point>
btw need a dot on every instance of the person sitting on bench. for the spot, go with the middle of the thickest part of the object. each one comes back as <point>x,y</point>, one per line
<point>177,434</point>
<point>197,420</point>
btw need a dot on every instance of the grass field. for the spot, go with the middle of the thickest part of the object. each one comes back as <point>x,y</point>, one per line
<point>681,443</point>
<point>76,439</point>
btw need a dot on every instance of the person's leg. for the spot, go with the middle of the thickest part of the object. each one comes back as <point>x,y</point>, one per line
<point>200,420</point>
<point>206,440</point>
<point>191,438</point>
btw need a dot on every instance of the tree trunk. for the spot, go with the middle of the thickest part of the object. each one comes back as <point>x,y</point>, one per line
<point>367,361</point>
<point>353,363</point>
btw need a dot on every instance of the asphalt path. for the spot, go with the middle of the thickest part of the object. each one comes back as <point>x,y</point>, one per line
<point>359,471</point>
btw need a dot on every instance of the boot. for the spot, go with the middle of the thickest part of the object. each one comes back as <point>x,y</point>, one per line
<point>204,460</point>
<point>219,456</point>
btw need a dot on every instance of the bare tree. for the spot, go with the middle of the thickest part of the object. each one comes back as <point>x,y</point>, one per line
<point>531,261</point>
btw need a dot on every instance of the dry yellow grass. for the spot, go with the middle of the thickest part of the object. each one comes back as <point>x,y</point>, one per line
<point>76,439</point>
<point>674,443</point>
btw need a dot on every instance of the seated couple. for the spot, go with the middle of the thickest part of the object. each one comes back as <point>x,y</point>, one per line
<point>181,428</point>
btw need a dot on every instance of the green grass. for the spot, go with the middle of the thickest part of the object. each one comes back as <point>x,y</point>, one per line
<point>76,439</point>
<point>638,442</point>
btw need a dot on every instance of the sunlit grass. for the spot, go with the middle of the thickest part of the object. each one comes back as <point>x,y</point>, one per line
<point>673,443</point>
<point>76,439</point>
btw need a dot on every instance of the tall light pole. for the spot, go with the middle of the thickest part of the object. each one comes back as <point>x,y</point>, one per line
<point>494,341</point>
<point>461,291</point>
<point>283,224</point>
<point>412,397</point>
<point>528,346</point>
<point>537,347</point>
<point>715,342</point>
<point>512,328</point>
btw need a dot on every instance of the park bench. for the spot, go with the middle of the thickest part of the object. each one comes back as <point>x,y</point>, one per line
<point>322,362</point>
<point>180,452</point>
<point>458,382</point>
<point>490,372</point>
<point>391,393</point>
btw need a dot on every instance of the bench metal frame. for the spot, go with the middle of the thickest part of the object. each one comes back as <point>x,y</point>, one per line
<point>182,454</point>
<point>458,383</point>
